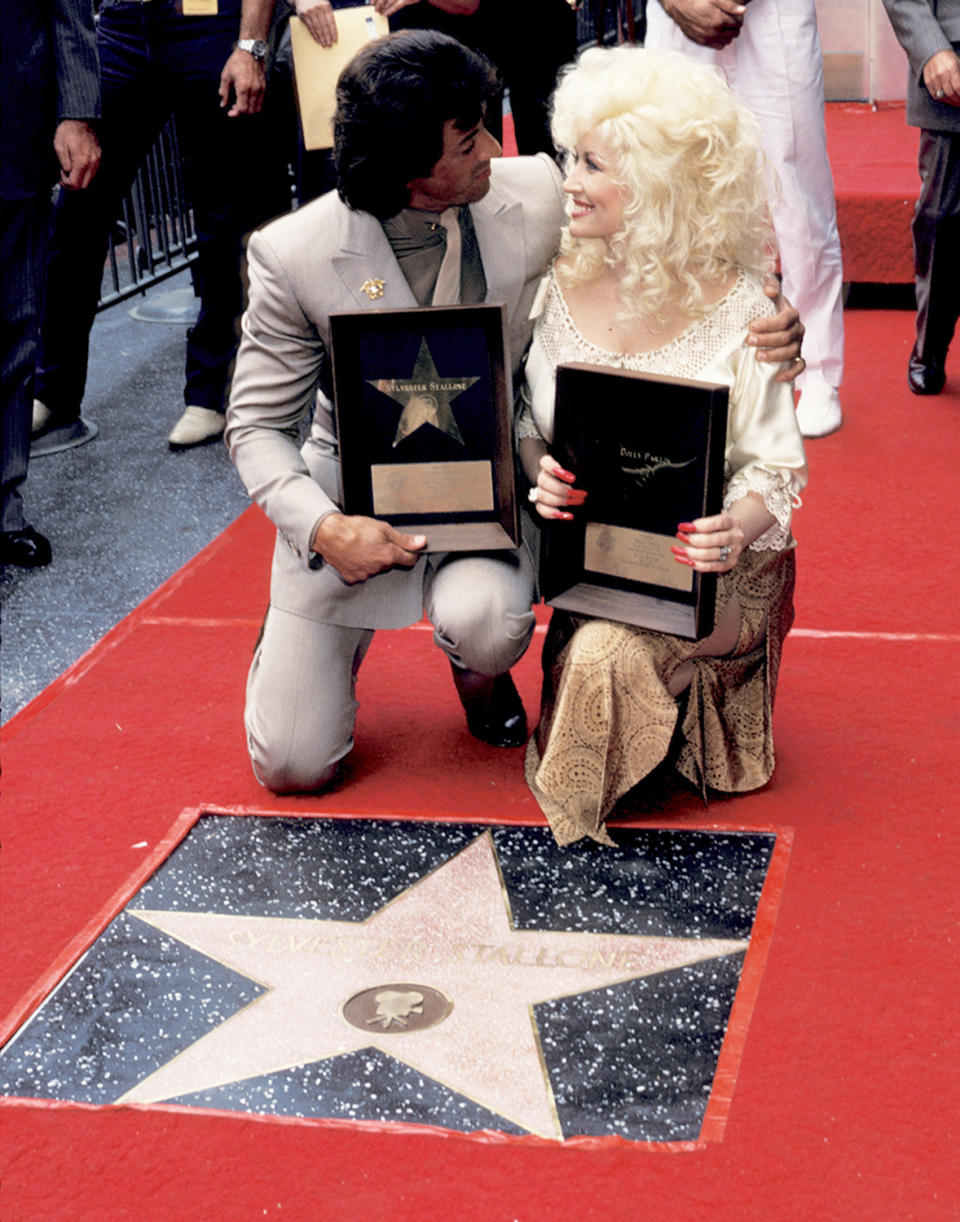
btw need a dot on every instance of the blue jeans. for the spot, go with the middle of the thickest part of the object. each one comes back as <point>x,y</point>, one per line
<point>155,63</point>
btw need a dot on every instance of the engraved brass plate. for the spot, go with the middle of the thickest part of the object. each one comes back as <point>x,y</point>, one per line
<point>432,487</point>
<point>633,555</point>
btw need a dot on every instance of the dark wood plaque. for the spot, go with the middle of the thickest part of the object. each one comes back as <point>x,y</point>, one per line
<point>650,452</point>
<point>423,408</point>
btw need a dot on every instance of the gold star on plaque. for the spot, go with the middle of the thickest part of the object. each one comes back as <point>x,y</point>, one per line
<point>439,978</point>
<point>425,397</point>
<point>372,288</point>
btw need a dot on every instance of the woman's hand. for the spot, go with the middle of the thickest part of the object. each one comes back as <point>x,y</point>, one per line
<point>710,545</point>
<point>554,494</point>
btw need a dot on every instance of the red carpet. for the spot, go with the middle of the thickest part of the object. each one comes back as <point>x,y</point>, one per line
<point>874,159</point>
<point>845,1101</point>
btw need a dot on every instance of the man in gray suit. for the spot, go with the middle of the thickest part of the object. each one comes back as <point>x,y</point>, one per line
<point>413,156</point>
<point>49,90</point>
<point>929,31</point>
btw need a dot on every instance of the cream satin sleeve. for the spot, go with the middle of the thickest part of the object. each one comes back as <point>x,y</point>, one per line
<point>765,451</point>
<point>274,383</point>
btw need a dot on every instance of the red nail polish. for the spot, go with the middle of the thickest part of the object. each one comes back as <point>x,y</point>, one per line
<point>683,560</point>
<point>568,476</point>
<point>683,537</point>
<point>686,526</point>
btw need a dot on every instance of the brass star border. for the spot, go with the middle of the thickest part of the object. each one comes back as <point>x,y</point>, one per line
<point>426,397</point>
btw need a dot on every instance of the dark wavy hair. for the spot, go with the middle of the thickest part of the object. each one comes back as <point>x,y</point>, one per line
<point>393,100</point>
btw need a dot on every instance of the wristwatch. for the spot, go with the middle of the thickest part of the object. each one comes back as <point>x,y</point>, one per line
<point>253,46</point>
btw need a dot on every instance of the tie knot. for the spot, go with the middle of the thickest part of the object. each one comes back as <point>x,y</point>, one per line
<point>450,220</point>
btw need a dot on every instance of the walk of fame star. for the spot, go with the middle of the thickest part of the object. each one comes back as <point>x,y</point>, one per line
<point>451,936</point>
<point>425,397</point>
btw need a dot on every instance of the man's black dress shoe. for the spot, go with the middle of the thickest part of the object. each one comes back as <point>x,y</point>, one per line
<point>26,548</point>
<point>925,377</point>
<point>493,706</point>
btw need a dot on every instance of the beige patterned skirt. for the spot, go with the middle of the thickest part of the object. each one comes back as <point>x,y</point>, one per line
<point>607,718</point>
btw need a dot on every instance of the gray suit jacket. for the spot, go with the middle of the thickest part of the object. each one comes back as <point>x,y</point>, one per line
<point>924,27</point>
<point>48,72</point>
<point>303,268</point>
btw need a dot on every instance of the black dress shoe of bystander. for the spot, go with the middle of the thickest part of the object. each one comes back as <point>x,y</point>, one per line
<point>925,377</point>
<point>27,548</point>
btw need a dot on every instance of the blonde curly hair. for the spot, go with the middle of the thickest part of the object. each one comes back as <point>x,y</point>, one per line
<point>688,156</point>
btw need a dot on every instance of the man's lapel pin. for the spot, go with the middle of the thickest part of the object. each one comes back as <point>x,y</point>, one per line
<point>372,288</point>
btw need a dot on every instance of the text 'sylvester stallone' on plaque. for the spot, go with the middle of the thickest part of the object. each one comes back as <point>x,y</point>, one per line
<point>425,397</point>
<point>649,452</point>
<point>438,487</point>
<point>423,418</point>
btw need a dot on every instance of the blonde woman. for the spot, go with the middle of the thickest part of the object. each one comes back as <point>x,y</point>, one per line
<point>660,271</point>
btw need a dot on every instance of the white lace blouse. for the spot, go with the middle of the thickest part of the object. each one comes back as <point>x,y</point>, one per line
<point>764,450</point>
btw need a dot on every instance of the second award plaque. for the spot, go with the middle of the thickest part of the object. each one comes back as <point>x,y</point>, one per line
<point>649,451</point>
<point>424,423</point>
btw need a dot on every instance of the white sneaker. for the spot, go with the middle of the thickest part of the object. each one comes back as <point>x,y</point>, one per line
<point>196,426</point>
<point>48,437</point>
<point>818,413</point>
<point>41,417</point>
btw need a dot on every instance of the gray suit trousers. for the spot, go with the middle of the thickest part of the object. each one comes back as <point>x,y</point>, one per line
<point>301,702</point>
<point>936,244</point>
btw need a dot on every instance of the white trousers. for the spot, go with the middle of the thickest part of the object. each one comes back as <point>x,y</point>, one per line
<point>301,703</point>
<point>775,66</point>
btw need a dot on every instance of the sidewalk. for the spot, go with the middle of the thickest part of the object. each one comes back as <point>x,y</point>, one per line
<point>121,512</point>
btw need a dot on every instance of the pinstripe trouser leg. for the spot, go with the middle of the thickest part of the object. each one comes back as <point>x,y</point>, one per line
<point>24,228</point>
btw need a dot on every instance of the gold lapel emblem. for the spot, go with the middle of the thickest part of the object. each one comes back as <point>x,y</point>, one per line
<point>372,288</point>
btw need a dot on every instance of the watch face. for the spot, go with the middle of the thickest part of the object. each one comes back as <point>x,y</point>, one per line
<point>254,46</point>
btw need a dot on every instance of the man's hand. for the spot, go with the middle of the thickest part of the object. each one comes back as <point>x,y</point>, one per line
<point>778,337</point>
<point>244,76</point>
<point>459,8</point>
<point>359,547</point>
<point>386,8</point>
<point>319,18</point>
<point>78,151</point>
<point>941,75</point>
<point>712,23</point>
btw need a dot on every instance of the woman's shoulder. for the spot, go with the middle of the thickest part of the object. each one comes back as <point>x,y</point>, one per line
<point>749,298</point>
<point>744,302</point>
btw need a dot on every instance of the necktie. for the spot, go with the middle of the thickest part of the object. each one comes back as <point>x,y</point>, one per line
<point>447,290</point>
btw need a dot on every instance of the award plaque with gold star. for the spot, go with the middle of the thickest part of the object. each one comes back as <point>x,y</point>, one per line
<point>424,423</point>
<point>454,975</point>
